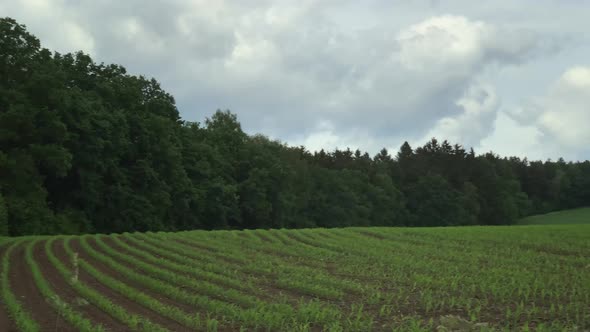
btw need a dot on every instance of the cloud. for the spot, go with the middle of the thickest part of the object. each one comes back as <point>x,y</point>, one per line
<point>324,136</point>
<point>566,107</point>
<point>480,105</point>
<point>325,73</point>
<point>513,139</point>
<point>456,41</point>
<point>423,81</point>
<point>62,31</point>
<point>562,114</point>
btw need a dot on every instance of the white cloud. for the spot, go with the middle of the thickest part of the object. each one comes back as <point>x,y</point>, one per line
<point>75,38</point>
<point>462,44</point>
<point>562,114</point>
<point>60,30</point>
<point>513,139</point>
<point>325,137</point>
<point>331,73</point>
<point>442,41</point>
<point>565,111</point>
<point>480,104</point>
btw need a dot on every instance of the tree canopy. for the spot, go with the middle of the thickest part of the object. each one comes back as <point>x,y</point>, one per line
<point>87,147</point>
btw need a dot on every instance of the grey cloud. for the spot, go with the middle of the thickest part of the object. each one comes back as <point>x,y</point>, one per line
<point>285,67</point>
<point>561,114</point>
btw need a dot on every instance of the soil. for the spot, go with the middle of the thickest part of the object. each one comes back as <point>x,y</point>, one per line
<point>6,324</point>
<point>68,294</point>
<point>115,297</point>
<point>162,298</point>
<point>269,292</point>
<point>113,245</point>
<point>26,291</point>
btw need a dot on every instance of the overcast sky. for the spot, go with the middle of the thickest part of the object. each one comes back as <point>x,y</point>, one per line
<point>508,76</point>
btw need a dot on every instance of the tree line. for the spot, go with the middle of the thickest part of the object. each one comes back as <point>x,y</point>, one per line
<point>87,147</point>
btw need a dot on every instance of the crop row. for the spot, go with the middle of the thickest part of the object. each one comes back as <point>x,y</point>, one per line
<point>355,279</point>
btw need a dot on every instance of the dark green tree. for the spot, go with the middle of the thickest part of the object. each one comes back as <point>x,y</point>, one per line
<point>432,201</point>
<point>3,217</point>
<point>87,147</point>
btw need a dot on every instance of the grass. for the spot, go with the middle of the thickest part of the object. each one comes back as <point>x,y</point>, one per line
<point>530,277</point>
<point>567,217</point>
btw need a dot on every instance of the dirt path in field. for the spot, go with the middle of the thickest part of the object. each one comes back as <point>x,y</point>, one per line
<point>68,294</point>
<point>6,323</point>
<point>129,305</point>
<point>26,291</point>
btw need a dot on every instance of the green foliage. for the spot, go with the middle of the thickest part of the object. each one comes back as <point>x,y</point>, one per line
<point>433,201</point>
<point>86,147</point>
<point>3,217</point>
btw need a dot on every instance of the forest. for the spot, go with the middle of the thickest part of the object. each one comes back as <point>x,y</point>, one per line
<point>86,147</point>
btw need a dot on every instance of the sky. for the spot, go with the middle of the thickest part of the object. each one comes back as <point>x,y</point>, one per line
<point>512,77</point>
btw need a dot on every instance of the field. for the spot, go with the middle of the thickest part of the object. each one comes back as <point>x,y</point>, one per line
<point>574,216</point>
<point>353,279</point>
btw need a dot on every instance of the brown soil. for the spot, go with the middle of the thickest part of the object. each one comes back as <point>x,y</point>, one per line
<point>113,245</point>
<point>68,294</point>
<point>153,251</point>
<point>131,306</point>
<point>191,310</point>
<point>6,323</point>
<point>265,284</point>
<point>26,291</point>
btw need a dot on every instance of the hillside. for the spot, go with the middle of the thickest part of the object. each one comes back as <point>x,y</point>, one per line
<point>361,279</point>
<point>574,216</point>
